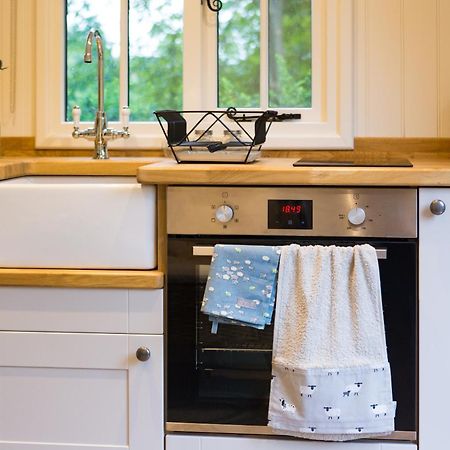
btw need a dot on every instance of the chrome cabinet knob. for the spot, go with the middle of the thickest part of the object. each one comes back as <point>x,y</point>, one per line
<point>437,207</point>
<point>143,354</point>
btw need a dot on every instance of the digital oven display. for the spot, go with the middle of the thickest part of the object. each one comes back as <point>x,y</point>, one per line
<point>290,214</point>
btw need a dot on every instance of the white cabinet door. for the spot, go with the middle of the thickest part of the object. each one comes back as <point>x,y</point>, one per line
<point>80,392</point>
<point>434,320</point>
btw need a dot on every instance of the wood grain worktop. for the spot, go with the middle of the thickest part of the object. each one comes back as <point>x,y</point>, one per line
<point>83,278</point>
<point>24,166</point>
<point>427,170</point>
<point>431,159</point>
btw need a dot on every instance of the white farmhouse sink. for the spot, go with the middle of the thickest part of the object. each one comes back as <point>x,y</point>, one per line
<point>77,222</point>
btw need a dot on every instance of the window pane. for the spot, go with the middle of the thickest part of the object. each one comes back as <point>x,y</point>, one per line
<point>155,57</point>
<point>238,50</point>
<point>290,53</point>
<point>82,15</point>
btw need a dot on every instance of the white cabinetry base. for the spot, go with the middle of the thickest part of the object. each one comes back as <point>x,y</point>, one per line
<point>80,392</point>
<point>192,442</point>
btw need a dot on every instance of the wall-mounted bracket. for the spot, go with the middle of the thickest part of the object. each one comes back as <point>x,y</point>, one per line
<point>213,5</point>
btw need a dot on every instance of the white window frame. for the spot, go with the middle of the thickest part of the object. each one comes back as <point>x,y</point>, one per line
<point>327,124</point>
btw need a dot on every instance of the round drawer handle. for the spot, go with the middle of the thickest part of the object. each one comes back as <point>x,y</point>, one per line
<point>437,207</point>
<point>143,354</point>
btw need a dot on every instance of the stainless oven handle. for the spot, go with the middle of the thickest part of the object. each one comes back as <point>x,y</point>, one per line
<point>208,251</point>
<point>202,251</point>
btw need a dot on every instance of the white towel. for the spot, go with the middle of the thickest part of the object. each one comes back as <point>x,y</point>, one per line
<point>331,376</point>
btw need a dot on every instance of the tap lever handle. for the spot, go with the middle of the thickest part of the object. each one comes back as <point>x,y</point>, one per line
<point>76,115</point>
<point>125,117</point>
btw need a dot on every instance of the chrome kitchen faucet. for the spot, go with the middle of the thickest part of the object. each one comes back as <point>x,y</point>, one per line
<point>100,134</point>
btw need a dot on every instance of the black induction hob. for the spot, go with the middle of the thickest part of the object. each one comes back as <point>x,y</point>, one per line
<point>351,162</point>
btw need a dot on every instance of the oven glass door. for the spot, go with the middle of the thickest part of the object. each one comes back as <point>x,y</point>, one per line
<point>224,378</point>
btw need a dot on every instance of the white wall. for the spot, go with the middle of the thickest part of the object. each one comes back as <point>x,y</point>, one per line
<point>402,68</point>
<point>17,107</point>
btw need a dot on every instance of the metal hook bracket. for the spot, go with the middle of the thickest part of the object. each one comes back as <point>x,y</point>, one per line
<point>1,65</point>
<point>213,5</point>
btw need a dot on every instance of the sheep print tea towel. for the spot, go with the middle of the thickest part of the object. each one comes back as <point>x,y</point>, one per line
<point>240,288</point>
<point>330,373</point>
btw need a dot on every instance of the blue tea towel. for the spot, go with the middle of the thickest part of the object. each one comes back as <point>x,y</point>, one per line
<point>241,285</point>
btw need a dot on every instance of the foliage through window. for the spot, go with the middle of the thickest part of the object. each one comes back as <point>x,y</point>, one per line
<point>82,15</point>
<point>288,53</point>
<point>154,55</point>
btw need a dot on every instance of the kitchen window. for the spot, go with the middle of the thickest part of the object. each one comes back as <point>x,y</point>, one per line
<point>148,71</point>
<point>288,55</point>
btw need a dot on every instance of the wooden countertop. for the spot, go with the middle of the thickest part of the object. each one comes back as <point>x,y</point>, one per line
<point>280,171</point>
<point>23,166</point>
<point>83,278</point>
<point>428,170</point>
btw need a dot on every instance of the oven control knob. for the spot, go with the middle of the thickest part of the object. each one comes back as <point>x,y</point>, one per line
<point>356,216</point>
<point>224,213</point>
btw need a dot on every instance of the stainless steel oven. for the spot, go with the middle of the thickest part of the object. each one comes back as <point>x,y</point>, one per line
<point>220,382</point>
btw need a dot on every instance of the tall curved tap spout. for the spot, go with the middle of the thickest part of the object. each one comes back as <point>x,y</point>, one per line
<point>100,134</point>
<point>88,59</point>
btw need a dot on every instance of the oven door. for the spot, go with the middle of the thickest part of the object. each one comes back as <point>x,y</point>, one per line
<point>224,378</point>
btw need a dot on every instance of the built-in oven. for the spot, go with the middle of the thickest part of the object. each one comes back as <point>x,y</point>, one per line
<point>220,382</point>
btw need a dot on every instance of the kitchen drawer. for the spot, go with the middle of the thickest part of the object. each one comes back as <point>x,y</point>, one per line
<point>81,310</point>
<point>192,442</point>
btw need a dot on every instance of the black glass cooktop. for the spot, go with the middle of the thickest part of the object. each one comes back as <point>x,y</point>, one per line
<point>354,162</point>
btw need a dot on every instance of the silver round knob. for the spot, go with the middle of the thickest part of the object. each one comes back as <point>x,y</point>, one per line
<point>356,216</point>
<point>437,207</point>
<point>224,213</point>
<point>143,354</point>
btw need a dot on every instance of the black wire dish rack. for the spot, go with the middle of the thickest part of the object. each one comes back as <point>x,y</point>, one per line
<point>233,144</point>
